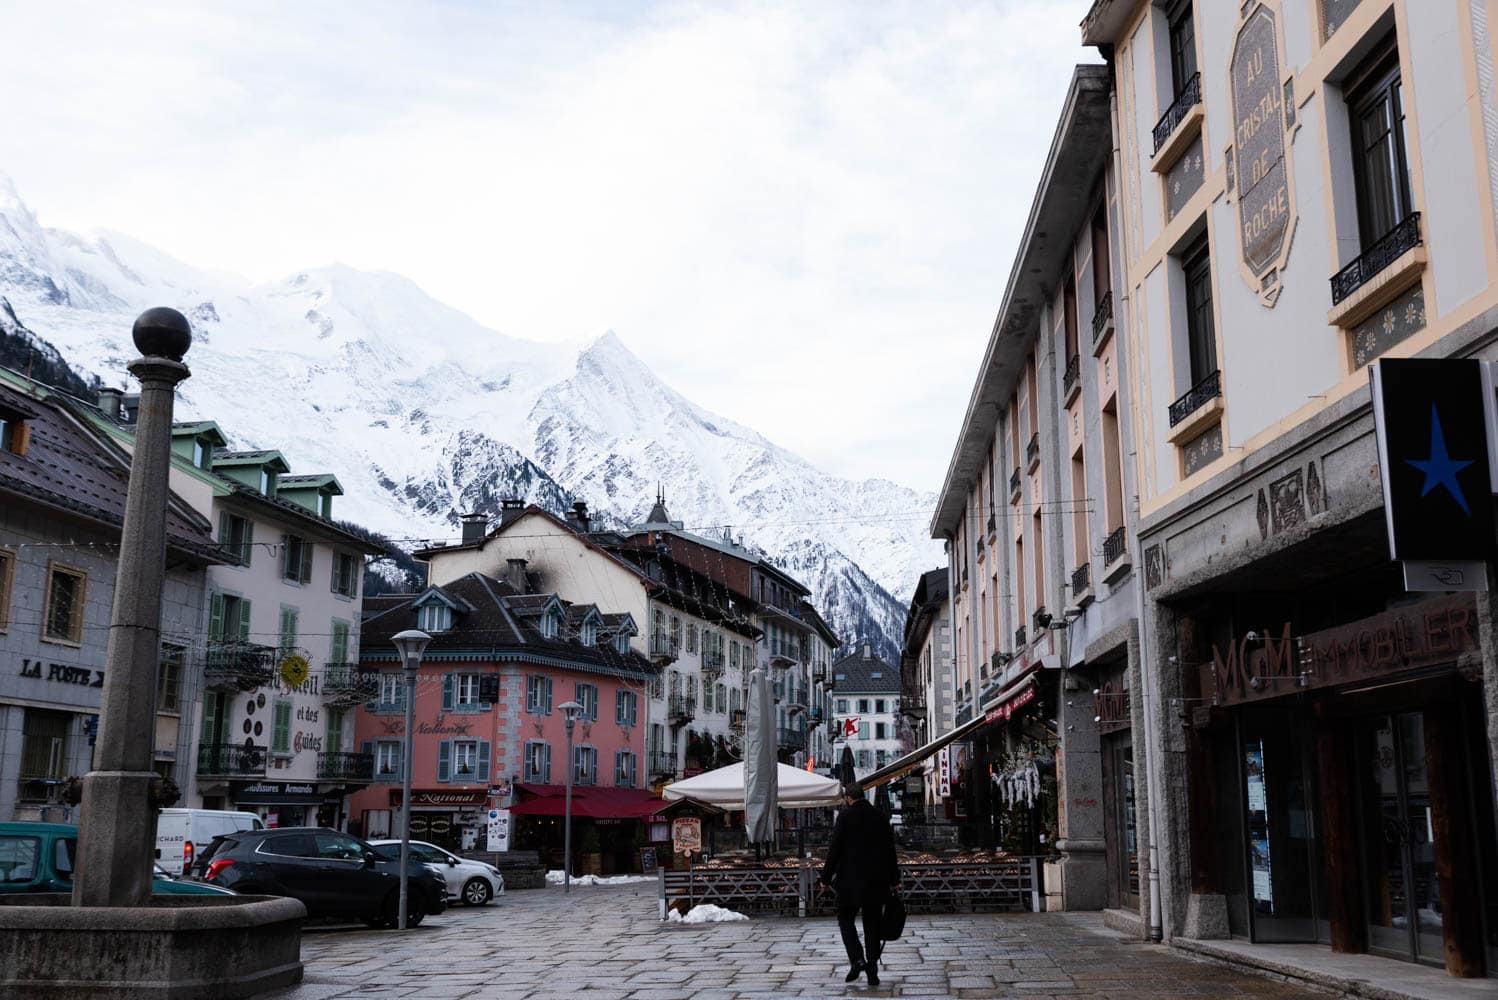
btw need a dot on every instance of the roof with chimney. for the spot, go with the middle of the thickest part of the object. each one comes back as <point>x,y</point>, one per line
<point>864,673</point>
<point>493,622</point>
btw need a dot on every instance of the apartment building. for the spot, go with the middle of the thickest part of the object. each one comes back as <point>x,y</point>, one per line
<point>1305,188</point>
<point>866,705</point>
<point>927,691</point>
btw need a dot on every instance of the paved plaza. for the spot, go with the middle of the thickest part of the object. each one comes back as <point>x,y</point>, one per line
<point>605,943</point>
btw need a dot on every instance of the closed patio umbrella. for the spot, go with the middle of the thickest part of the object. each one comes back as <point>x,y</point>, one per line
<point>761,777</point>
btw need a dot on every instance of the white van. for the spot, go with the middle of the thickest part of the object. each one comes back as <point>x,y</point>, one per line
<point>182,833</point>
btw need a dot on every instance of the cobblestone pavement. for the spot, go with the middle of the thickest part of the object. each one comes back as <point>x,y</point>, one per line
<point>605,943</point>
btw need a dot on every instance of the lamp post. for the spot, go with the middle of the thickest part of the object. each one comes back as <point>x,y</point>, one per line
<point>409,644</point>
<point>570,709</point>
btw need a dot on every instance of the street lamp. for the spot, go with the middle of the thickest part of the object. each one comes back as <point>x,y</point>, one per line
<point>409,644</point>
<point>570,710</point>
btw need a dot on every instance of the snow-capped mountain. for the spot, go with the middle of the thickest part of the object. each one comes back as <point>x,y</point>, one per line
<point>424,414</point>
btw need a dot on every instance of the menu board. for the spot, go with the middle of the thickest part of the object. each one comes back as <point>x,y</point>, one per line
<point>1258,825</point>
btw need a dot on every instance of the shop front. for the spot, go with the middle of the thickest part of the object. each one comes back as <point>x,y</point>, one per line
<point>1122,808</point>
<point>453,819</point>
<point>279,803</point>
<point>1341,782</point>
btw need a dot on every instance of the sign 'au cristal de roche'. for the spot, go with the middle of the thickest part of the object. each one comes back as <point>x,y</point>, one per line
<point>1259,157</point>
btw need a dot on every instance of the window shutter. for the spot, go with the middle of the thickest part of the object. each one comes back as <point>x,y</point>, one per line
<point>448,683</point>
<point>444,760</point>
<point>546,759</point>
<point>634,709</point>
<point>244,620</point>
<point>306,570</point>
<point>223,530</point>
<point>366,748</point>
<point>211,734</point>
<point>281,728</point>
<point>483,776</point>
<point>546,689</point>
<point>333,576</point>
<point>216,617</point>
<point>285,557</point>
<point>248,545</point>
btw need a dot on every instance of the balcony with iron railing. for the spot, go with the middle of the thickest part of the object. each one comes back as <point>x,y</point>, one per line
<point>1189,97</point>
<point>345,684</point>
<point>238,666</point>
<point>1102,319</point>
<point>1014,482</point>
<point>1081,581</point>
<point>346,767</point>
<point>1115,546</point>
<point>712,660</point>
<point>1196,397</point>
<point>661,762</point>
<point>662,647</point>
<point>790,739</point>
<point>1073,376</point>
<point>1394,244</point>
<point>1032,450</point>
<point>1019,637</point>
<point>681,709</point>
<point>231,760</point>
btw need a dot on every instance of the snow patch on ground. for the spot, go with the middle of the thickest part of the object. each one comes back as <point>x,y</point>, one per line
<point>705,913</point>
<point>557,878</point>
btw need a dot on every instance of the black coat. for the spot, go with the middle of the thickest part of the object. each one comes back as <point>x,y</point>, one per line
<point>861,863</point>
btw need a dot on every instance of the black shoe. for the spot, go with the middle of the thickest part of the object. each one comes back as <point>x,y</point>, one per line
<point>873,968</point>
<point>854,972</point>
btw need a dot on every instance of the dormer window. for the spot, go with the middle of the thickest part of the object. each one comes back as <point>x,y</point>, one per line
<point>589,632</point>
<point>325,506</point>
<point>267,482</point>
<point>551,623</point>
<point>621,642</point>
<point>434,618</point>
<point>13,433</point>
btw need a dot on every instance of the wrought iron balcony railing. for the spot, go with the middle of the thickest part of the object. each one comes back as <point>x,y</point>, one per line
<point>661,762</point>
<point>790,739</point>
<point>662,647</point>
<point>238,666</point>
<point>681,708</point>
<point>1389,247</point>
<point>712,661</point>
<point>1102,317</point>
<point>1081,580</point>
<point>1019,636</point>
<point>1115,546</point>
<point>1196,397</point>
<point>1032,450</point>
<point>1014,481</point>
<point>345,684</point>
<point>338,766</point>
<point>1189,97</point>
<point>1073,374</point>
<point>231,760</point>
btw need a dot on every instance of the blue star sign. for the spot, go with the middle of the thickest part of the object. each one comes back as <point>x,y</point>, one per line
<point>1440,469</point>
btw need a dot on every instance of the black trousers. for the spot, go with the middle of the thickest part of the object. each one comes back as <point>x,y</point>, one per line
<point>872,913</point>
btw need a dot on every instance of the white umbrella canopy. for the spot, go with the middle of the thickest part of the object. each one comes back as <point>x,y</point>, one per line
<point>724,788</point>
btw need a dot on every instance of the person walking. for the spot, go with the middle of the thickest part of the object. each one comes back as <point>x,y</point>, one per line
<point>862,869</point>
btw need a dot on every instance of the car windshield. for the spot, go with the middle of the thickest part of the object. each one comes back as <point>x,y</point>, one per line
<point>18,857</point>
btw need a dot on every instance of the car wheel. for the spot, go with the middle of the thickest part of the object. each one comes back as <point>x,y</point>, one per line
<point>390,910</point>
<point>476,892</point>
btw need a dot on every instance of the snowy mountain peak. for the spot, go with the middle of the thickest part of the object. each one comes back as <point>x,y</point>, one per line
<point>424,413</point>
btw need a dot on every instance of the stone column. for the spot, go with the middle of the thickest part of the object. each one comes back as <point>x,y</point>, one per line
<point>1079,789</point>
<point>117,834</point>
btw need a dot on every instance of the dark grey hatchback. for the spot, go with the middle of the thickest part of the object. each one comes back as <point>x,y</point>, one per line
<point>332,873</point>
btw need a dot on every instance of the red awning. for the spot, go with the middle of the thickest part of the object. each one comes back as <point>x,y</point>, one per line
<point>587,801</point>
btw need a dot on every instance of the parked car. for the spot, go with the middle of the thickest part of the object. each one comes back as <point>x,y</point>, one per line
<point>182,833</point>
<point>473,882</point>
<point>332,873</point>
<point>38,857</point>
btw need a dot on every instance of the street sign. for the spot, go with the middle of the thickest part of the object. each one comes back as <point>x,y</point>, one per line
<point>944,771</point>
<point>499,830</point>
<point>1430,418</point>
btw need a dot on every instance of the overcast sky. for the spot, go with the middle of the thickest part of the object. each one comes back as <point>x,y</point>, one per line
<point>801,215</point>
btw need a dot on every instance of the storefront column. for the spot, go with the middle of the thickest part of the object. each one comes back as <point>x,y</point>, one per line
<point>1487,633</point>
<point>1079,807</point>
<point>1142,818</point>
<point>1456,857</point>
<point>1344,903</point>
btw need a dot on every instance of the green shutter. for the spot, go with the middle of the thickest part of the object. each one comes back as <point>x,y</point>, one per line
<point>483,776</point>
<point>333,736</point>
<point>210,718</point>
<point>248,546</point>
<point>288,630</point>
<point>216,617</point>
<point>244,620</point>
<point>281,731</point>
<point>223,530</point>
<point>340,642</point>
<point>444,760</point>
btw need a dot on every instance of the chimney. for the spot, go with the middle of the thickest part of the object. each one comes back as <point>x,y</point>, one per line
<point>475,527</point>
<point>509,509</point>
<point>577,517</point>
<point>868,651</point>
<point>109,401</point>
<point>515,575</point>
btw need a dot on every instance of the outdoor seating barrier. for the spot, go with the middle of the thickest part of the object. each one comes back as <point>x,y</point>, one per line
<point>941,887</point>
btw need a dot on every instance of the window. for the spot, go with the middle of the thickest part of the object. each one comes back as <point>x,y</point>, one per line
<point>280,740</point>
<point>863,706</point>
<point>1069,308</point>
<point>538,761</point>
<point>289,619</point>
<point>587,697</point>
<point>538,694</point>
<point>551,623</point>
<point>462,693</point>
<point>169,677</point>
<point>44,758</point>
<point>267,483</point>
<point>463,761</point>
<point>228,619</point>
<point>675,632</point>
<point>722,701</point>
<point>338,847</point>
<point>865,759</point>
<point>626,769</point>
<point>1201,338</point>
<point>18,857</point>
<point>236,536</point>
<point>1182,46</point>
<point>626,708</point>
<point>392,692</point>
<point>863,730</point>
<point>878,706</point>
<point>691,638</point>
<point>588,634</point>
<point>388,760</point>
<point>333,731</point>
<point>338,647</point>
<point>734,700</point>
<point>653,688</point>
<point>707,697</point>
<point>1102,271</point>
<point>881,730</point>
<point>733,655</point>
<point>66,590</point>
<point>621,642</point>
<point>345,574</point>
<point>296,559</point>
<point>7,578</point>
<point>434,617</point>
<point>842,706</point>
<point>584,766</point>
<point>1375,100</point>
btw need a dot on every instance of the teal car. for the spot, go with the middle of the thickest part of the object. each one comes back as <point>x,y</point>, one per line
<point>38,857</point>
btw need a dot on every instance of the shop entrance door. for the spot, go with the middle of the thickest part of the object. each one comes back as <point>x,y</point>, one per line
<point>1402,893</point>
<point>1122,824</point>
<point>1281,851</point>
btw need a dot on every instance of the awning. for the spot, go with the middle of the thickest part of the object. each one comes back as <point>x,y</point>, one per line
<point>587,802</point>
<point>1015,695</point>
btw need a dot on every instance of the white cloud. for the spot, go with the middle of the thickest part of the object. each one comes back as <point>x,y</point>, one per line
<point>801,214</point>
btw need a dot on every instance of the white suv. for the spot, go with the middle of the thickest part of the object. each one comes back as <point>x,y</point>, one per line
<point>473,882</point>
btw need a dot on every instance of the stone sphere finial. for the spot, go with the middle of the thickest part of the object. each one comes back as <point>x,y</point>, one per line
<point>162,333</point>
